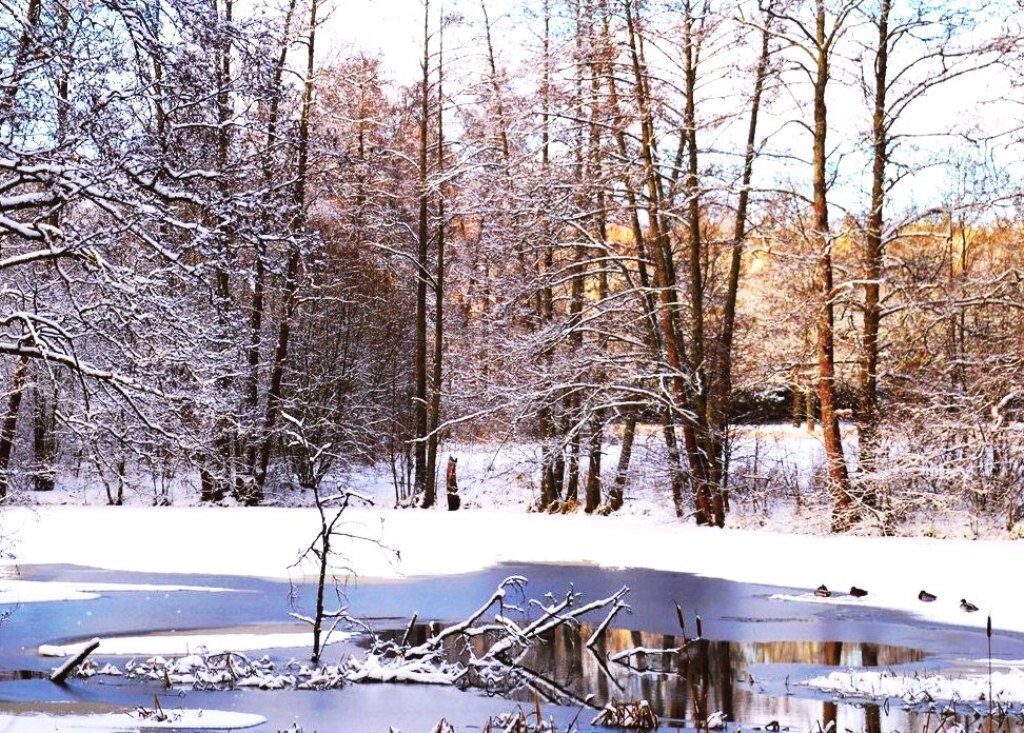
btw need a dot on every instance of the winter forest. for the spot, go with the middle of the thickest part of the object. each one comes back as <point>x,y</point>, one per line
<point>238,255</point>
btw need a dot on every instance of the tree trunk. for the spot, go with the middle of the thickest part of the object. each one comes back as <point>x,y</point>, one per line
<point>44,440</point>
<point>214,487</point>
<point>615,498</point>
<point>720,381</point>
<point>21,57</point>
<point>868,417</point>
<point>297,226</point>
<point>665,282</point>
<point>323,554</point>
<point>226,437</point>
<point>9,425</point>
<point>677,479</point>
<point>253,356</point>
<point>551,473</point>
<point>558,457</point>
<point>60,675</point>
<point>430,488</point>
<point>452,484</point>
<point>423,269</point>
<point>843,514</point>
<point>708,493</point>
<point>572,463</point>
<point>596,442</point>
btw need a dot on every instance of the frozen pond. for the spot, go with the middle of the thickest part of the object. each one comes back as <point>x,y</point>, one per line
<point>758,648</point>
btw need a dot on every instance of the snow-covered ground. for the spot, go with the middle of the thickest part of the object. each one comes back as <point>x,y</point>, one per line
<point>191,643</point>
<point>13,590</point>
<point>498,483</point>
<point>775,483</point>
<point>265,542</point>
<point>1007,686</point>
<point>504,474</point>
<point>130,721</point>
<point>495,526</point>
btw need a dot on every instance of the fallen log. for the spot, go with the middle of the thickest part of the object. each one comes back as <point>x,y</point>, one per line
<point>61,673</point>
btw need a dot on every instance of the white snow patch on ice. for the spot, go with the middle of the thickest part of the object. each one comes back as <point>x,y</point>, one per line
<point>130,721</point>
<point>921,687</point>
<point>34,591</point>
<point>835,599</point>
<point>181,644</point>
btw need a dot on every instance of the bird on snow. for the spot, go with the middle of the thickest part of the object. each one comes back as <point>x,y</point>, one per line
<point>772,727</point>
<point>926,596</point>
<point>967,606</point>
<point>857,592</point>
<point>716,721</point>
<point>822,591</point>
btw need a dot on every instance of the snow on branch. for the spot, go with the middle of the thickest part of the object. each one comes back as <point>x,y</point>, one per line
<point>495,661</point>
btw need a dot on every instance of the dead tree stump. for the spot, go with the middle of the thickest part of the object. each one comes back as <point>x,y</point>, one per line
<point>454,502</point>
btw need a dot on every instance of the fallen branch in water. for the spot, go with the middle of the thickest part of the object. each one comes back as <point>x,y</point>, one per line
<point>60,674</point>
<point>472,653</point>
<point>495,659</point>
<point>625,657</point>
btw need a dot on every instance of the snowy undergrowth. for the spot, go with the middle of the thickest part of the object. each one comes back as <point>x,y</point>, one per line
<point>775,483</point>
<point>497,484</point>
<point>775,461</point>
<point>226,671</point>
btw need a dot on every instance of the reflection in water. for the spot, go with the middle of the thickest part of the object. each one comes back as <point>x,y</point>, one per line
<point>686,681</point>
<point>22,674</point>
<point>747,680</point>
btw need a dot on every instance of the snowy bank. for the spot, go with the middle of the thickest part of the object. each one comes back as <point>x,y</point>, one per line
<point>31,591</point>
<point>179,644</point>
<point>269,540</point>
<point>133,721</point>
<point>923,689</point>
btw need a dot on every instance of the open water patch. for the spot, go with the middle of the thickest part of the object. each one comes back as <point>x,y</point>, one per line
<point>749,667</point>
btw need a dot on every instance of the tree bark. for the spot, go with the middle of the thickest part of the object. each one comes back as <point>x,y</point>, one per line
<point>275,394</point>
<point>61,673</point>
<point>593,485</point>
<point>213,489</point>
<point>843,514</point>
<point>452,484</point>
<point>868,418</point>
<point>720,381</point>
<point>665,283</point>
<point>547,420</point>
<point>423,269</point>
<point>615,497</point>
<point>710,507</point>
<point>9,425</point>
<point>430,488</point>
<point>21,57</point>
<point>44,440</point>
